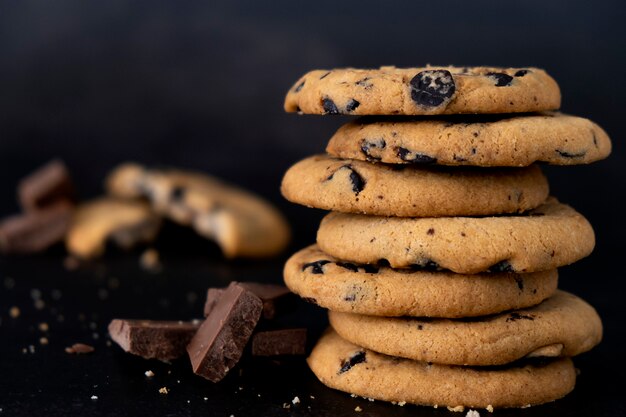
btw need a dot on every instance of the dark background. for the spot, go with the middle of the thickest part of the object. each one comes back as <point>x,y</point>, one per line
<point>201,85</point>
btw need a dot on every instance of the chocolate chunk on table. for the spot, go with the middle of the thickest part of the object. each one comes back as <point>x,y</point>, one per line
<point>276,298</point>
<point>279,342</point>
<point>152,339</point>
<point>46,185</point>
<point>219,342</point>
<point>35,231</point>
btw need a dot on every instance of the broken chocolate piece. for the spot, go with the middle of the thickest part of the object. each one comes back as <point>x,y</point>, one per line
<point>355,359</point>
<point>352,105</point>
<point>521,73</point>
<point>45,186</point>
<point>279,342</point>
<point>502,80</point>
<point>414,157</point>
<point>152,339</point>
<point>35,231</point>
<point>276,298</point>
<point>431,88</point>
<point>219,342</point>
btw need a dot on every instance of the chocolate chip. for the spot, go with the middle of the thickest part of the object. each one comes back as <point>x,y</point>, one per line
<point>350,297</point>
<point>355,359</point>
<point>502,80</point>
<point>364,83</point>
<point>431,88</point>
<point>177,193</point>
<point>325,75</point>
<point>565,154</point>
<point>414,157</point>
<point>384,263</point>
<point>502,266</point>
<point>329,106</point>
<point>316,267</point>
<point>522,72</point>
<point>370,269</point>
<point>430,231</point>
<point>349,266</point>
<point>519,281</point>
<point>352,105</point>
<point>516,316</point>
<point>299,87</point>
<point>358,182</point>
<point>373,144</point>
<point>420,327</point>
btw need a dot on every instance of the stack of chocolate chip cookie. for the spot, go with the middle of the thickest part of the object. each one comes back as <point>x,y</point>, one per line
<point>438,261</point>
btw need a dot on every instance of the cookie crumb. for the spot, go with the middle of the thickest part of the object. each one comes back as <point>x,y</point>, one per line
<point>79,348</point>
<point>206,398</point>
<point>149,374</point>
<point>163,390</point>
<point>401,403</point>
<point>286,405</point>
<point>526,406</point>
<point>457,409</point>
<point>94,397</point>
<point>490,408</point>
<point>14,312</point>
<point>311,397</point>
<point>472,413</point>
<point>295,400</point>
<point>149,260</point>
<point>358,409</point>
<point>43,327</point>
<point>43,340</point>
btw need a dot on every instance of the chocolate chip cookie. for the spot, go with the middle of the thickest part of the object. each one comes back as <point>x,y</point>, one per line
<point>517,140</point>
<point>243,224</point>
<point>347,367</point>
<point>352,186</point>
<point>547,237</point>
<point>423,91</point>
<point>382,291</point>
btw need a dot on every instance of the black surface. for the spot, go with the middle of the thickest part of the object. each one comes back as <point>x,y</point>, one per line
<point>200,85</point>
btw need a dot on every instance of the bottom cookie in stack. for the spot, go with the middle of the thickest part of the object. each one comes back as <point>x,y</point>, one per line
<point>505,340</point>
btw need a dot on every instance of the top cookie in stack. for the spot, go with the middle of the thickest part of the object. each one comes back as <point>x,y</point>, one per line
<point>440,211</point>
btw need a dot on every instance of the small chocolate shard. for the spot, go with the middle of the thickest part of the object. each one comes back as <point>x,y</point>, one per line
<point>502,79</point>
<point>519,281</point>
<point>317,267</point>
<point>35,231</point>
<point>153,339</point>
<point>367,146</point>
<point>219,342</point>
<point>279,342</point>
<point>432,88</point>
<point>45,186</point>
<point>329,106</point>
<point>502,266</point>
<point>521,73</point>
<point>347,364</point>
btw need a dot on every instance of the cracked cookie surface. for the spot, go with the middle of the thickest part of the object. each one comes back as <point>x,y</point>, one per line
<point>383,291</point>
<point>544,238</point>
<point>510,140</point>
<point>562,325</point>
<point>347,367</point>
<point>423,91</point>
<point>353,186</point>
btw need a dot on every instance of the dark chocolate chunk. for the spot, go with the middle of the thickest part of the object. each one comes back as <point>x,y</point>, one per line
<point>502,79</point>
<point>279,342</point>
<point>368,145</point>
<point>358,183</point>
<point>150,339</point>
<point>35,231</point>
<point>430,231</point>
<point>431,88</point>
<point>219,342</point>
<point>352,105</point>
<point>316,267</point>
<point>502,266</point>
<point>517,316</point>
<point>329,106</point>
<point>177,193</point>
<point>45,186</point>
<point>349,266</point>
<point>299,87</point>
<point>521,73</point>
<point>565,154</point>
<point>414,157</point>
<point>347,364</point>
<point>276,298</point>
